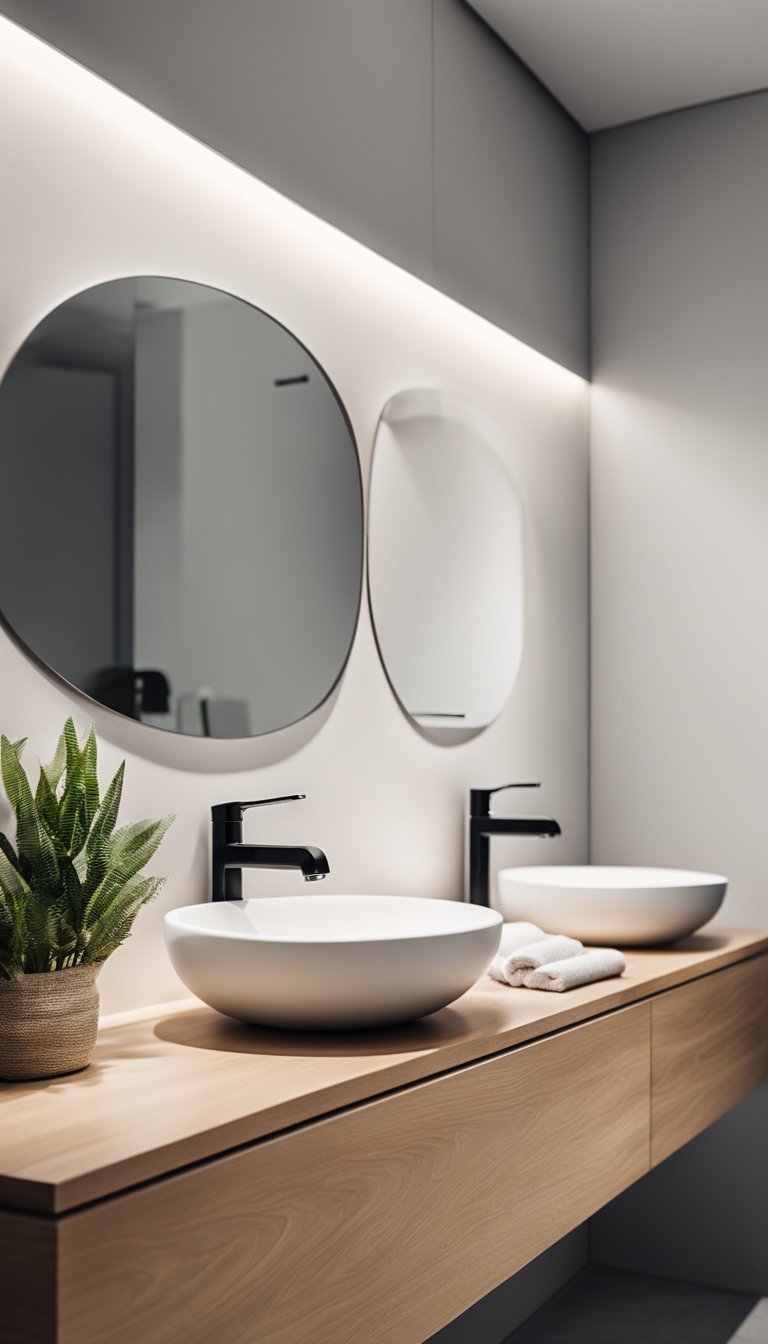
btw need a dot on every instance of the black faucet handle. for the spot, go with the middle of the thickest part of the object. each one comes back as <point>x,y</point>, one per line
<point>480,799</point>
<point>264,802</point>
<point>234,811</point>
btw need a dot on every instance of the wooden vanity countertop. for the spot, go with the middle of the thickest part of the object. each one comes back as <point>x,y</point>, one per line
<point>182,1086</point>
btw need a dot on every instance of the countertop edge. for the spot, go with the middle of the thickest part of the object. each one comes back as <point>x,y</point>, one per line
<point>50,1199</point>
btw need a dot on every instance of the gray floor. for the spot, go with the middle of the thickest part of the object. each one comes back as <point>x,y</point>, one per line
<point>754,1330</point>
<point>609,1306</point>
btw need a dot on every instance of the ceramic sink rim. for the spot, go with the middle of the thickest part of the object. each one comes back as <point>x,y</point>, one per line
<point>479,917</point>
<point>615,905</point>
<point>569,875</point>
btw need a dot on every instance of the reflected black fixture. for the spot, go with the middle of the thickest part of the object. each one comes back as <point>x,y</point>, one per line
<point>129,691</point>
<point>482,825</point>
<point>230,855</point>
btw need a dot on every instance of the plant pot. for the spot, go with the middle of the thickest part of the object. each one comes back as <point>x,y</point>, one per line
<point>48,1023</point>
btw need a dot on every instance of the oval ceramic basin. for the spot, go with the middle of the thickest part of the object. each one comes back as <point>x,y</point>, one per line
<point>627,907</point>
<point>331,962</point>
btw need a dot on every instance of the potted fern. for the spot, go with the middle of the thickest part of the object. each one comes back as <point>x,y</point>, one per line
<point>70,890</point>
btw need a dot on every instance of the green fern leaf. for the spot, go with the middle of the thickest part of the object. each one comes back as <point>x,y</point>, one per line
<point>119,875</point>
<point>12,771</point>
<point>10,853</point>
<point>140,837</point>
<point>12,883</point>
<point>55,769</point>
<point>40,923</point>
<point>72,753</point>
<point>33,843</point>
<point>13,899</point>
<point>71,900</point>
<point>116,922</point>
<point>106,817</point>
<point>47,805</point>
<point>90,777</point>
<point>72,885</point>
<point>122,839</point>
<point>72,804</point>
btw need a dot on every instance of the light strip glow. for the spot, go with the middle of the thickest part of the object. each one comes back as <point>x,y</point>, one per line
<point>356,263</point>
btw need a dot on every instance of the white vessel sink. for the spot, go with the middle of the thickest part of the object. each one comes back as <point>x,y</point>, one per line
<point>330,962</point>
<point>627,907</point>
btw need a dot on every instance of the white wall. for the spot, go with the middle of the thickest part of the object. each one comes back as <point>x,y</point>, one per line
<point>680,580</point>
<point>96,187</point>
<point>680,497</point>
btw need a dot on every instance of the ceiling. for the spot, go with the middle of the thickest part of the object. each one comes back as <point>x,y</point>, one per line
<point>612,61</point>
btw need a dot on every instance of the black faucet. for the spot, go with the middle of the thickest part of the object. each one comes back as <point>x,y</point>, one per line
<point>230,855</point>
<point>482,825</point>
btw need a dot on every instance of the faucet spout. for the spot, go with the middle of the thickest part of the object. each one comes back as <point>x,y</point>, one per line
<point>482,825</point>
<point>545,828</point>
<point>231,855</point>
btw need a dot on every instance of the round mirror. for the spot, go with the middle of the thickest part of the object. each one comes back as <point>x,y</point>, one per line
<point>182,534</point>
<point>445,562</point>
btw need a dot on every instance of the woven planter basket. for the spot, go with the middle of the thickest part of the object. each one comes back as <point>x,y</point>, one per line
<point>48,1023</point>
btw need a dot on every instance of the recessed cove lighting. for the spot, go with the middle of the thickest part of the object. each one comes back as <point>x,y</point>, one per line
<point>291,226</point>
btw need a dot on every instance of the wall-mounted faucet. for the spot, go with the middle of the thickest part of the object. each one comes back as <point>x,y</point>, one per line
<point>230,855</point>
<point>481,825</point>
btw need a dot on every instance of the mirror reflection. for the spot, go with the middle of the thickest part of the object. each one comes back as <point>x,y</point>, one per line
<point>183,528</point>
<point>447,598</point>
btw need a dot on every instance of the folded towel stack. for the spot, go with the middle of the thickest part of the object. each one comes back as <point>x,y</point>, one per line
<point>584,969</point>
<point>531,959</point>
<point>515,968</point>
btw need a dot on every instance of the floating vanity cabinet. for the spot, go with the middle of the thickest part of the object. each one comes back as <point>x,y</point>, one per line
<point>710,1049</point>
<point>208,1181</point>
<point>380,1224</point>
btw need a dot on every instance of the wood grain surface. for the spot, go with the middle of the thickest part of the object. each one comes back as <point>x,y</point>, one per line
<point>168,1091</point>
<point>710,1049</point>
<point>378,1225</point>
<point>28,1305</point>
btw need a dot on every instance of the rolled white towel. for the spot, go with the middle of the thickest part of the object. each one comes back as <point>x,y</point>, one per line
<point>570,972</point>
<point>518,934</point>
<point>513,935</point>
<point>512,967</point>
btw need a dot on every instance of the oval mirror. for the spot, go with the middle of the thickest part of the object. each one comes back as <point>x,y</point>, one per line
<point>445,562</point>
<point>183,531</point>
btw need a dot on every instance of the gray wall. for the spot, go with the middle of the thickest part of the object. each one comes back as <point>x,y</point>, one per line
<point>511,213</point>
<point>492,1320</point>
<point>702,1215</point>
<point>408,123</point>
<point>679,540</point>
<point>57,425</point>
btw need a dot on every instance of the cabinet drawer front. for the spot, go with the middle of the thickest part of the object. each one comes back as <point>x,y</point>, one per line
<point>710,1049</point>
<point>379,1224</point>
<point>27,1279</point>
